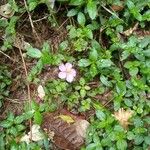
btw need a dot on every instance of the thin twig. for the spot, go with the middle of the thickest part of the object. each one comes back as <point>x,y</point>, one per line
<point>28,87</point>
<point>14,100</point>
<point>40,19</point>
<point>63,23</point>
<point>110,12</point>
<point>7,56</point>
<point>31,22</point>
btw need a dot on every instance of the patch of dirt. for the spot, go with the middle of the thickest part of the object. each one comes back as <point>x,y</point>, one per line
<point>45,31</point>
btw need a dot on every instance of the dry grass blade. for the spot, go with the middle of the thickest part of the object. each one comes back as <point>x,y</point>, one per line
<point>123,117</point>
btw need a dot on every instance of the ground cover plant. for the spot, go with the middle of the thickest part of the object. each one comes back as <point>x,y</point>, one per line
<point>74,74</point>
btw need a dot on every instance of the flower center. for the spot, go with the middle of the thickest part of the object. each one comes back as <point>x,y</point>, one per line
<point>68,70</point>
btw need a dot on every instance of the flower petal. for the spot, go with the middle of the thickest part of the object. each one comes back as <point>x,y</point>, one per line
<point>68,66</point>
<point>62,75</point>
<point>62,67</point>
<point>69,78</point>
<point>73,72</point>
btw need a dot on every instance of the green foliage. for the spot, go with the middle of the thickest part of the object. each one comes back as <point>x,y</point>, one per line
<point>5,80</point>
<point>105,59</point>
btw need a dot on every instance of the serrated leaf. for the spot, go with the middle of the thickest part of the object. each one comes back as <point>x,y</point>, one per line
<point>92,9</point>
<point>81,18</point>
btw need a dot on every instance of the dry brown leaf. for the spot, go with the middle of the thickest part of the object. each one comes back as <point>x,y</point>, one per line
<point>123,117</point>
<point>66,135</point>
<point>131,30</point>
<point>141,33</point>
<point>117,7</point>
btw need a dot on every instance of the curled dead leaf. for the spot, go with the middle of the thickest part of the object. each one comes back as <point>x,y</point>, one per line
<point>131,30</point>
<point>41,92</point>
<point>123,117</point>
<point>6,10</point>
<point>81,127</point>
<point>36,135</point>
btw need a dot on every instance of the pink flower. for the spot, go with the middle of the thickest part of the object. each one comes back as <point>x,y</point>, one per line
<point>66,72</point>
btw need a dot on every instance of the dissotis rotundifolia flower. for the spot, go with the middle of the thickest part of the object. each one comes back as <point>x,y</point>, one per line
<point>67,72</point>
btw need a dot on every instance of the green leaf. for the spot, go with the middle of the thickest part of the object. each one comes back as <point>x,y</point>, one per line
<point>91,146</point>
<point>28,115</point>
<point>105,81</point>
<point>128,102</point>
<point>76,2</point>
<point>128,64</point>
<point>13,131</point>
<point>130,135</point>
<point>82,92</point>
<point>64,45</point>
<point>147,52</point>
<point>2,142</point>
<point>138,139</point>
<point>121,87</point>
<point>93,70</point>
<point>10,117</point>
<point>32,5</point>
<point>20,127</point>
<point>82,81</point>
<point>134,10</point>
<point>34,52</point>
<point>84,63</point>
<point>104,63</point>
<point>88,33</point>
<point>95,44</point>
<point>100,115</point>
<point>38,117</point>
<point>133,71</point>
<point>93,55</point>
<point>92,9</point>
<point>6,124</point>
<point>72,12</point>
<point>81,18</point>
<point>147,140</point>
<point>121,145</point>
<point>19,119</point>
